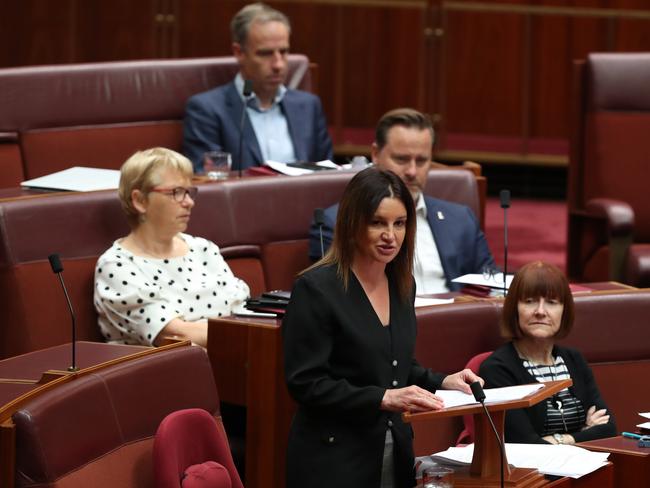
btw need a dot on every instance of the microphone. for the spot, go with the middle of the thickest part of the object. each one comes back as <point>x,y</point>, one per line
<point>479,396</point>
<point>319,219</point>
<point>504,195</point>
<point>57,268</point>
<point>247,91</point>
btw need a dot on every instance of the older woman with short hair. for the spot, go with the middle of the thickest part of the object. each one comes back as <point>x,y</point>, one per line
<point>158,282</point>
<point>537,312</point>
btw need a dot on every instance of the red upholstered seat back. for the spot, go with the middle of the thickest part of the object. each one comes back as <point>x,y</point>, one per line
<point>97,430</point>
<point>98,114</point>
<point>261,225</point>
<point>609,160</point>
<point>186,438</point>
<point>616,151</point>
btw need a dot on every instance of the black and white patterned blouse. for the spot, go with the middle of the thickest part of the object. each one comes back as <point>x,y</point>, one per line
<point>136,297</point>
<point>564,412</point>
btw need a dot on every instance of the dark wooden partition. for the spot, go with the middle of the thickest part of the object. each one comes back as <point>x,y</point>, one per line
<point>495,75</point>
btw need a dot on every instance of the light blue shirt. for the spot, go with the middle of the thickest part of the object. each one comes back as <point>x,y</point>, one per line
<point>270,126</point>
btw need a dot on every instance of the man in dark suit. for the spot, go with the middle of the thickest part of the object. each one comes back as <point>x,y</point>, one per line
<point>449,241</point>
<point>282,124</point>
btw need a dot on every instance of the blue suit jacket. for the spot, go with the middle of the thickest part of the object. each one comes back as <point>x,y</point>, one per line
<point>212,120</point>
<point>461,243</point>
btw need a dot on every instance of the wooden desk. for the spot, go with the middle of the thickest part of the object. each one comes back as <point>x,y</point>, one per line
<point>248,365</point>
<point>631,462</point>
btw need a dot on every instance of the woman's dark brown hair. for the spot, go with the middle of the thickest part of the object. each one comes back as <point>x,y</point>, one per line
<point>535,280</point>
<point>360,201</point>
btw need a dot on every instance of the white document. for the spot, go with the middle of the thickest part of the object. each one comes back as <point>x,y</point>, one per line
<point>77,178</point>
<point>552,459</point>
<point>645,415</point>
<point>455,398</point>
<point>495,281</point>
<point>285,169</point>
<point>644,425</point>
<point>427,302</point>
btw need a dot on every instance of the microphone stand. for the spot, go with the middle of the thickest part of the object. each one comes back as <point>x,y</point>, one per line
<point>319,219</point>
<point>248,89</point>
<point>55,263</point>
<point>479,396</point>
<point>505,204</point>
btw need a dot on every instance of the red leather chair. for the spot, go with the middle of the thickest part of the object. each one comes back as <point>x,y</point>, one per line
<point>191,451</point>
<point>467,435</point>
<point>609,215</point>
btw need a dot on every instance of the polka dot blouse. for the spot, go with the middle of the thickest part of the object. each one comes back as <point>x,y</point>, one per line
<point>136,297</point>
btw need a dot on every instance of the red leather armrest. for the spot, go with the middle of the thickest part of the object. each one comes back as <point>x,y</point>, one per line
<point>618,214</point>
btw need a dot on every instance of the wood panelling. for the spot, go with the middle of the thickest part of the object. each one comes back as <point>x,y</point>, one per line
<point>493,73</point>
<point>483,72</point>
<point>119,29</point>
<point>36,32</point>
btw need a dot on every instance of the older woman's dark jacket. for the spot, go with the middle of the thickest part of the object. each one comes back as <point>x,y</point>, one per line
<point>505,368</point>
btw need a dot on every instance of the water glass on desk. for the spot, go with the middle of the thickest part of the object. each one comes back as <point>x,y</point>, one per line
<point>438,477</point>
<point>217,164</point>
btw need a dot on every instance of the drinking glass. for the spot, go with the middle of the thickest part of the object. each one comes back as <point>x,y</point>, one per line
<point>217,164</point>
<point>438,477</point>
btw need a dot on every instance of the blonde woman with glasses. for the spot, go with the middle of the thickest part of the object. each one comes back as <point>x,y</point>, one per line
<point>159,282</point>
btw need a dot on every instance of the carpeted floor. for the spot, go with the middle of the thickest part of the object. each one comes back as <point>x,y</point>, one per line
<point>537,229</point>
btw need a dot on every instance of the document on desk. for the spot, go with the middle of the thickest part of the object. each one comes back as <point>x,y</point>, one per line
<point>297,170</point>
<point>494,281</point>
<point>427,302</point>
<point>455,398</point>
<point>645,415</point>
<point>552,459</point>
<point>77,178</point>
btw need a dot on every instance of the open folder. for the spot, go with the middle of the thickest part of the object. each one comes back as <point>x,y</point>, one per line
<point>77,178</point>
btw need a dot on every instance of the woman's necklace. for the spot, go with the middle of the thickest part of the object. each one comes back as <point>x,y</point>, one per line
<point>555,398</point>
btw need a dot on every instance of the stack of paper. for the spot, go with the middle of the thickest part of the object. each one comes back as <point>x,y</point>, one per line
<point>552,459</point>
<point>644,425</point>
<point>77,178</point>
<point>455,398</point>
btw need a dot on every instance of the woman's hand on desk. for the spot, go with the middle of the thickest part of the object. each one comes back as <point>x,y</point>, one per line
<point>411,399</point>
<point>461,381</point>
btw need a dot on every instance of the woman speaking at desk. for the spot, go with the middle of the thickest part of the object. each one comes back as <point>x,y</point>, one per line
<point>537,312</point>
<point>158,282</point>
<point>349,339</point>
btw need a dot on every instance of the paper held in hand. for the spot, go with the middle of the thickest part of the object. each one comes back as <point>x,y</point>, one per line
<point>455,398</point>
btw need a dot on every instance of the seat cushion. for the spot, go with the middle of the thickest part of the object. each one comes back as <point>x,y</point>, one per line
<point>209,474</point>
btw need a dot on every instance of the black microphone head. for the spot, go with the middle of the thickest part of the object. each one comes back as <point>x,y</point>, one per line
<point>55,263</point>
<point>319,217</point>
<point>477,391</point>
<point>504,195</point>
<point>248,88</point>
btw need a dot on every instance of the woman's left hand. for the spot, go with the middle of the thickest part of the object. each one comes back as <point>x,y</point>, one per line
<point>595,417</point>
<point>461,381</point>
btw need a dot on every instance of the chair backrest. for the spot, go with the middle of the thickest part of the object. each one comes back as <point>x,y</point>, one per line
<point>188,438</point>
<point>467,435</point>
<point>610,155</point>
<point>98,114</point>
<point>98,429</point>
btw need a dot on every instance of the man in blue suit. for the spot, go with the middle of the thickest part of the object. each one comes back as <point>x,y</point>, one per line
<point>449,241</point>
<point>282,124</point>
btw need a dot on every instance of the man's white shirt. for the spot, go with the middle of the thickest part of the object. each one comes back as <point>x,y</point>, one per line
<point>427,267</point>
